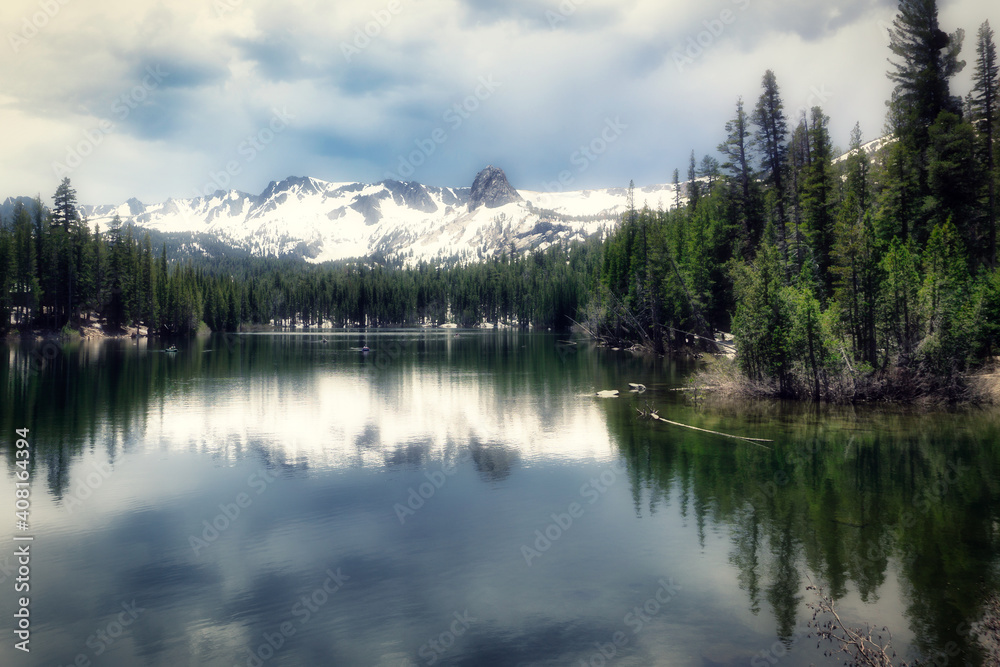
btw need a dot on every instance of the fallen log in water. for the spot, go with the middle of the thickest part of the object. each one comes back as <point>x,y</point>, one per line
<point>652,414</point>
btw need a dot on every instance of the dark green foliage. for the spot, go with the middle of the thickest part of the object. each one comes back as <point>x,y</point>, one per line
<point>898,306</point>
<point>945,303</point>
<point>8,275</point>
<point>664,274</point>
<point>952,178</point>
<point>762,318</point>
<point>26,288</point>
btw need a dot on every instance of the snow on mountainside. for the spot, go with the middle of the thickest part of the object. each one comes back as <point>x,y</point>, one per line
<point>323,221</point>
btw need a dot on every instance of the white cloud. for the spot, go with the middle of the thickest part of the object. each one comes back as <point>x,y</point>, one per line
<point>561,79</point>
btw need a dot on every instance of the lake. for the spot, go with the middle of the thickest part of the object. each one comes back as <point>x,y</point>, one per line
<point>273,499</point>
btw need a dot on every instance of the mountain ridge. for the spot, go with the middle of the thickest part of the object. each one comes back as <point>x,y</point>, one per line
<point>325,221</point>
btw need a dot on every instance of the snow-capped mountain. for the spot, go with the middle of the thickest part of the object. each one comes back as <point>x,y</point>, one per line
<point>323,221</point>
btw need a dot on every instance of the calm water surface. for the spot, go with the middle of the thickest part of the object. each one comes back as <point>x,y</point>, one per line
<point>277,500</point>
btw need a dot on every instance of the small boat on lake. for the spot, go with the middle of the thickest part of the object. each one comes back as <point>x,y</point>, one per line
<point>172,348</point>
<point>366,349</point>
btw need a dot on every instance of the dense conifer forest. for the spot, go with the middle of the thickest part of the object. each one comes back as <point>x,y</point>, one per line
<point>870,275</point>
<point>58,272</point>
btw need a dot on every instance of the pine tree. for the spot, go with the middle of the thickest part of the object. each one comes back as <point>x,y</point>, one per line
<point>677,189</point>
<point>709,170</point>
<point>148,303</point>
<point>161,288</point>
<point>899,314</point>
<point>953,180</point>
<point>84,285</point>
<point>985,114</point>
<point>738,155</point>
<point>945,302</point>
<point>26,285</point>
<point>772,129</point>
<point>798,164</point>
<point>114,307</point>
<point>8,273</point>
<point>818,198</point>
<point>693,186</point>
<point>927,58</point>
<point>64,210</point>
<point>64,253</point>
<point>856,255</point>
<point>761,320</point>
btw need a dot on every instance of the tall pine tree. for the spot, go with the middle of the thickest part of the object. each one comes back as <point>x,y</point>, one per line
<point>926,59</point>
<point>770,136</point>
<point>985,115</point>
<point>738,155</point>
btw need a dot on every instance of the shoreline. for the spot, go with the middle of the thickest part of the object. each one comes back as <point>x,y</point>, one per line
<point>721,379</point>
<point>96,332</point>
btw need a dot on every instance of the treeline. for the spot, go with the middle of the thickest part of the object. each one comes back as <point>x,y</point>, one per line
<point>543,289</point>
<point>55,272</point>
<point>873,276</point>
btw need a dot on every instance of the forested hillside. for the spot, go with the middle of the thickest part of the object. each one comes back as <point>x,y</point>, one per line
<point>873,276</point>
<point>56,272</point>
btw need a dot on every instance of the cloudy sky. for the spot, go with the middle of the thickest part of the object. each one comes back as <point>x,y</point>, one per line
<point>172,99</point>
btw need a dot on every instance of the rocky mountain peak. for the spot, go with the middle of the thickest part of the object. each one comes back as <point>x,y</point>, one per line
<point>491,189</point>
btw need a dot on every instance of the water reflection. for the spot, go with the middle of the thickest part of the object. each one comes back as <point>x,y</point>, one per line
<point>482,440</point>
<point>850,498</point>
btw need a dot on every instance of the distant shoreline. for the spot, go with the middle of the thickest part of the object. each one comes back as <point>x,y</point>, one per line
<point>96,332</point>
